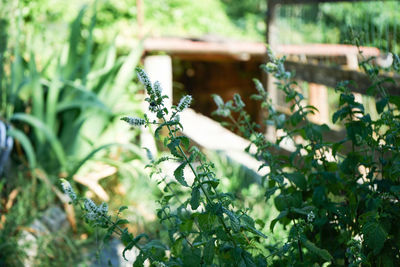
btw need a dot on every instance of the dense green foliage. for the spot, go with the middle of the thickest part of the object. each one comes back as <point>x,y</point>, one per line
<point>54,110</point>
<point>339,201</point>
<point>65,86</point>
<point>326,23</point>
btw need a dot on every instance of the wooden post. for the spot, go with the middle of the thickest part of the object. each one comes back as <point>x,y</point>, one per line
<point>140,17</point>
<point>318,97</point>
<point>271,38</point>
<point>158,68</point>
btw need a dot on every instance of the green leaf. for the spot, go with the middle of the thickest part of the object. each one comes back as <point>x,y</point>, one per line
<point>234,220</point>
<point>48,133</point>
<point>121,221</point>
<point>395,99</point>
<point>295,118</point>
<point>129,241</point>
<point>122,209</point>
<point>281,215</point>
<point>26,145</point>
<point>298,179</point>
<point>248,223</point>
<point>195,200</point>
<point>322,253</point>
<point>283,202</point>
<point>184,141</point>
<point>319,196</point>
<point>374,236</point>
<point>381,104</point>
<point>178,173</point>
<point>139,261</point>
<point>172,148</point>
<point>208,252</point>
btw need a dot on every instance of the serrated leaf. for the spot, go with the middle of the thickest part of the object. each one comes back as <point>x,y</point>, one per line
<point>184,141</point>
<point>322,253</point>
<point>381,104</point>
<point>173,148</point>
<point>234,220</point>
<point>178,173</point>
<point>213,182</point>
<point>298,179</point>
<point>374,236</point>
<point>195,200</point>
<point>208,252</point>
<point>139,261</point>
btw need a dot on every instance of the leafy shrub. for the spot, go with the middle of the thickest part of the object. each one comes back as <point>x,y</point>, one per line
<point>339,201</point>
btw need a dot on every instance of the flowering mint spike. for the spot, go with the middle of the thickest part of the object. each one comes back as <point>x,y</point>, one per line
<point>92,210</point>
<point>157,89</point>
<point>103,208</point>
<point>184,103</point>
<point>218,100</point>
<point>145,80</point>
<point>90,206</point>
<point>238,101</point>
<point>134,121</point>
<point>67,188</point>
<point>259,87</point>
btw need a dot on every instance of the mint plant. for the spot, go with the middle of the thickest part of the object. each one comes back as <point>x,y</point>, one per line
<point>340,200</point>
<point>202,226</point>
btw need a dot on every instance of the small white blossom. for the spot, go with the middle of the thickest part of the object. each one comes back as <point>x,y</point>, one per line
<point>90,206</point>
<point>310,217</point>
<point>157,89</point>
<point>67,188</point>
<point>159,264</point>
<point>259,87</point>
<point>134,121</point>
<point>184,103</point>
<point>177,118</point>
<point>145,80</point>
<point>103,208</point>
<point>91,216</point>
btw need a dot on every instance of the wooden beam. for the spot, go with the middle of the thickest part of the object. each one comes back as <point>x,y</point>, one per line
<point>330,76</point>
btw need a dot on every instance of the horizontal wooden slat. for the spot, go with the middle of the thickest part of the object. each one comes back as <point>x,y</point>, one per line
<point>330,76</point>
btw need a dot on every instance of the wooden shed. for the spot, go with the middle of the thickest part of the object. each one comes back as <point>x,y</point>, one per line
<point>202,67</point>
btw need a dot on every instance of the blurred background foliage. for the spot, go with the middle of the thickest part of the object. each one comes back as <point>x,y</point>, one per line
<point>325,23</point>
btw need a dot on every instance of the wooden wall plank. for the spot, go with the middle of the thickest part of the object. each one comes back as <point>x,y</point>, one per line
<point>330,76</point>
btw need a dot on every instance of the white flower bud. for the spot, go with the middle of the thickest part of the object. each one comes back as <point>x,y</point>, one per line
<point>184,103</point>
<point>134,121</point>
<point>67,188</point>
<point>145,80</point>
<point>90,206</point>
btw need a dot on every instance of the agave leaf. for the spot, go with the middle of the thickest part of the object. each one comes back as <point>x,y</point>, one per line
<point>130,147</point>
<point>38,125</point>
<point>26,145</point>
